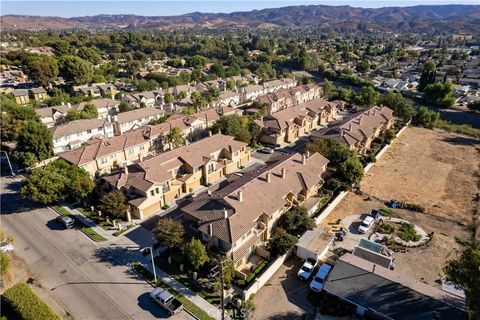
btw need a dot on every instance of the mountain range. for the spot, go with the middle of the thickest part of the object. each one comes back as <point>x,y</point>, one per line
<point>451,18</point>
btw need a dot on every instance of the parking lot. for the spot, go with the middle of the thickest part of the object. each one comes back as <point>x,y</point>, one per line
<point>284,296</point>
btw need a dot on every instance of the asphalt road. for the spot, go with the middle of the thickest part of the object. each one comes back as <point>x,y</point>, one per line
<point>89,280</point>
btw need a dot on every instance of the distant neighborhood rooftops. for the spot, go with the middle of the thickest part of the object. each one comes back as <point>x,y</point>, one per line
<point>136,114</point>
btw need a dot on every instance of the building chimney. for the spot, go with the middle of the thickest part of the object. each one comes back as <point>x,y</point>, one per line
<point>210,229</point>
<point>240,196</point>
<point>209,192</point>
<point>304,159</point>
<point>268,176</point>
<point>373,271</point>
<point>225,213</point>
<point>209,133</point>
<point>125,170</point>
<point>284,173</point>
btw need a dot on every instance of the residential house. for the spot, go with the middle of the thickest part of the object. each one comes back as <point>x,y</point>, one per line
<point>100,156</point>
<point>130,120</point>
<point>359,131</point>
<point>88,91</point>
<point>288,125</point>
<point>108,90</point>
<point>147,99</point>
<point>251,92</point>
<point>228,99</point>
<point>380,293</point>
<point>241,217</point>
<point>105,107</point>
<point>158,181</point>
<point>38,94</point>
<point>71,135</point>
<point>21,96</point>
<point>193,127</point>
<point>52,116</point>
<point>287,98</point>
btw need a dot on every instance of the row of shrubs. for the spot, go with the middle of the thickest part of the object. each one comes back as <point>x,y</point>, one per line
<point>26,304</point>
<point>251,276</point>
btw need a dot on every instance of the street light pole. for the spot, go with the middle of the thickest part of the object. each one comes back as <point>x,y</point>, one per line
<point>9,163</point>
<point>153,264</point>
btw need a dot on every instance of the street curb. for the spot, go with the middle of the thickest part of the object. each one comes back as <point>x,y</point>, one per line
<point>76,227</point>
<point>150,283</point>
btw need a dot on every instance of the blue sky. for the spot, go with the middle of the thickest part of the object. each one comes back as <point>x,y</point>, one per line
<point>74,8</point>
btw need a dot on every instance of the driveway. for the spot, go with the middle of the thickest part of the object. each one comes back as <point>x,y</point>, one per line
<point>88,280</point>
<point>284,296</point>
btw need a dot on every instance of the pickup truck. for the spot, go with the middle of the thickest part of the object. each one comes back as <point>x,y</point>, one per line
<point>306,270</point>
<point>166,300</point>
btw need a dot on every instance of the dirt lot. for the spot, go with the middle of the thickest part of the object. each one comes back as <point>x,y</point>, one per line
<point>436,170</point>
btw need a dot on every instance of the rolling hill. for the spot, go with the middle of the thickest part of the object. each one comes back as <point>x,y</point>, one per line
<point>453,18</point>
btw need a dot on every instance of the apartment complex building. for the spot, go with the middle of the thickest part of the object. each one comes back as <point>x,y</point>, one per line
<point>288,125</point>
<point>240,218</point>
<point>359,131</point>
<point>287,98</point>
<point>158,181</point>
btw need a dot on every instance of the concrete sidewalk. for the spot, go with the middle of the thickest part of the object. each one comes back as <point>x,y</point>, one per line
<point>203,304</point>
<point>89,223</point>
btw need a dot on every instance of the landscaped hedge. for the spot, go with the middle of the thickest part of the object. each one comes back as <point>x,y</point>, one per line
<point>25,302</point>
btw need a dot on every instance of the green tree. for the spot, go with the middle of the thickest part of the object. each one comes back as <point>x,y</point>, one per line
<point>182,95</point>
<point>332,150</point>
<point>195,253</point>
<point>168,98</point>
<point>124,107</point>
<point>79,182</point>
<point>465,271</point>
<point>63,47</point>
<point>367,96</point>
<point>281,243</point>
<point>43,71</point>
<point>426,118</point>
<point>56,181</point>
<point>34,137</point>
<point>90,54</point>
<point>175,138</point>
<point>169,233</point>
<point>350,172</point>
<point>439,94</point>
<point>296,221</point>
<point>44,185</point>
<point>114,204</point>
<point>90,111</point>
<point>23,159</point>
<point>428,76</point>
<point>75,69</point>
<point>4,263</point>
<point>213,94</point>
<point>402,108</point>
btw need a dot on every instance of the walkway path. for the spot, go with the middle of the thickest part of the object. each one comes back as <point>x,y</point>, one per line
<point>89,223</point>
<point>203,304</point>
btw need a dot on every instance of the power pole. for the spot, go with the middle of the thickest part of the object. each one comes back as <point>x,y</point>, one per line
<point>222,297</point>
<point>9,163</point>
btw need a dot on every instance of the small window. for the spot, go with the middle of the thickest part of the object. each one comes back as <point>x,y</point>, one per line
<point>152,193</point>
<point>131,150</point>
<point>99,128</point>
<point>89,131</point>
<point>103,160</point>
<point>142,147</point>
<point>157,190</point>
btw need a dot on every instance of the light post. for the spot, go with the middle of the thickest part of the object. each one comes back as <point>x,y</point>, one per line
<point>9,164</point>
<point>153,264</point>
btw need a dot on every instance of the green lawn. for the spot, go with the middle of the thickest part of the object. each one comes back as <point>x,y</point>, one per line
<point>100,221</point>
<point>175,273</point>
<point>92,234</point>
<point>187,304</point>
<point>119,232</point>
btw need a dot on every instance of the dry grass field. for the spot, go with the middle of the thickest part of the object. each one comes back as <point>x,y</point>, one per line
<point>437,170</point>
